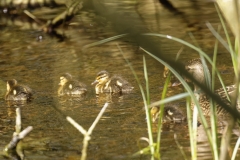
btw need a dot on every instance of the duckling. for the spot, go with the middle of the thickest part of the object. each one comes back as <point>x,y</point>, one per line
<point>115,84</point>
<point>69,86</point>
<point>171,113</point>
<point>17,92</point>
<point>195,68</point>
<point>174,81</point>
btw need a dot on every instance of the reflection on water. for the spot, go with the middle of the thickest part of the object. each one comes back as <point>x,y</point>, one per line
<point>39,65</point>
<point>71,98</point>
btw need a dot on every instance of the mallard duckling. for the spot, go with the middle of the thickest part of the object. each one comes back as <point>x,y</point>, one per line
<point>174,81</point>
<point>165,72</point>
<point>171,113</point>
<point>17,92</point>
<point>68,86</point>
<point>195,68</point>
<point>115,84</point>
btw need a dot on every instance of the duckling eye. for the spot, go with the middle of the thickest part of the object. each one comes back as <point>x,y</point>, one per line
<point>103,76</point>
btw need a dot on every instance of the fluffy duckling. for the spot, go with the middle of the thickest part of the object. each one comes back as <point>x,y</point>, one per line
<point>69,86</point>
<point>17,92</point>
<point>115,84</point>
<point>171,113</point>
<point>174,81</point>
<point>195,68</point>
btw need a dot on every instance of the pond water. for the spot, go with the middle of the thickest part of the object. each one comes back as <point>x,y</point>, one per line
<point>39,63</point>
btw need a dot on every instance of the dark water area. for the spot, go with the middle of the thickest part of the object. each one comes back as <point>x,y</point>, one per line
<point>39,64</point>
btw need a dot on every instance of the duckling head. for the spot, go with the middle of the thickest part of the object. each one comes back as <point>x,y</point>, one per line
<point>65,78</point>
<point>102,78</point>
<point>11,83</point>
<point>155,113</point>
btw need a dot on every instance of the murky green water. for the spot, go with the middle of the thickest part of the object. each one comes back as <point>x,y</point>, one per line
<point>40,63</point>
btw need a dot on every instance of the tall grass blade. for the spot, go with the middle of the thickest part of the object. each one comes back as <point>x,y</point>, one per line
<point>236,149</point>
<point>158,154</point>
<point>213,109</point>
<point>190,129</point>
<point>146,79</point>
<point>104,41</point>
<point>231,51</point>
<point>148,116</point>
<point>170,99</point>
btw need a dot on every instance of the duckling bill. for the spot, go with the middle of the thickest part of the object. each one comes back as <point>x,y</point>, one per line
<point>69,86</point>
<point>17,92</point>
<point>115,84</point>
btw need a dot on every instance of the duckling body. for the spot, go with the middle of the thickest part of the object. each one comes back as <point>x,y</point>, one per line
<point>115,84</point>
<point>17,92</point>
<point>195,68</point>
<point>171,113</point>
<point>69,86</point>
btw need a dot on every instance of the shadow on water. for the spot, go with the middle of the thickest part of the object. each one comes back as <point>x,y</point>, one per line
<point>40,63</point>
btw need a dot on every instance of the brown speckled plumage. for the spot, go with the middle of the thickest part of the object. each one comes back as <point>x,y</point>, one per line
<point>195,67</point>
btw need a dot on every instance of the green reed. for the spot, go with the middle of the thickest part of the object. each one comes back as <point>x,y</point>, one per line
<point>210,84</point>
<point>146,100</point>
<point>164,92</point>
<point>212,104</point>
